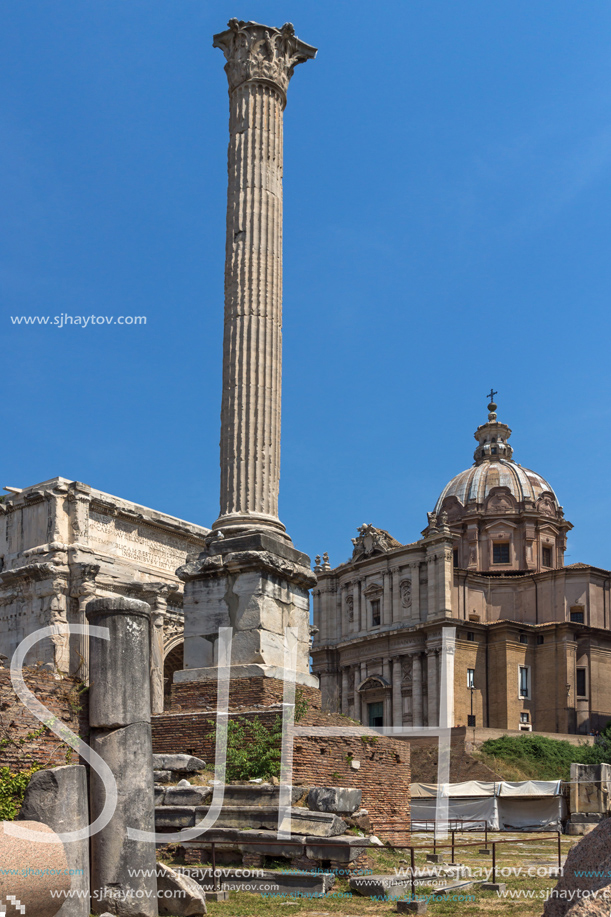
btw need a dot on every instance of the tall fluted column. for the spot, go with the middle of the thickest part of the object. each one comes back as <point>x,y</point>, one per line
<point>260,63</point>
<point>250,577</point>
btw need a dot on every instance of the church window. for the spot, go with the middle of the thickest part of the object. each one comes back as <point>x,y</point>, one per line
<point>376,714</point>
<point>523,638</point>
<point>455,555</point>
<point>493,450</point>
<point>547,557</point>
<point>577,615</point>
<point>470,678</point>
<point>500,552</point>
<point>524,718</point>
<point>470,635</point>
<point>375,613</point>
<point>540,639</point>
<point>524,680</point>
<point>581,683</point>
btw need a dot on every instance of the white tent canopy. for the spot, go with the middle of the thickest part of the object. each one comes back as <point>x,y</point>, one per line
<point>530,805</point>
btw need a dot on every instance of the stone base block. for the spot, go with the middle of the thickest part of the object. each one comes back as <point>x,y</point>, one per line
<point>587,818</point>
<point>413,906</point>
<point>303,822</point>
<point>380,887</point>
<point>578,830</point>
<point>217,896</point>
<point>485,851</point>
<point>436,858</point>
<point>341,800</point>
<point>493,886</point>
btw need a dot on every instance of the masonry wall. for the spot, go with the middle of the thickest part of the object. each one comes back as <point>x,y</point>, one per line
<point>383,772</point>
<point>23,739</point>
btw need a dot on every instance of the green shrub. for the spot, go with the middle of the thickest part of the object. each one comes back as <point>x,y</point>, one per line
<point>12,790</point>
<point>253,749</point>
<point>542,758</point>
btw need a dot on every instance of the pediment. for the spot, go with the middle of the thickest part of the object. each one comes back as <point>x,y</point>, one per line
<point>373,682</point>
<point>500,524</point>
<point>501,500</point>
<point>546,504</point>
<point>453,508</point>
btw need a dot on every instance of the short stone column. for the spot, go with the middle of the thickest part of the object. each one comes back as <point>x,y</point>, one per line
<point>57,797</point>
<point>120,721</point>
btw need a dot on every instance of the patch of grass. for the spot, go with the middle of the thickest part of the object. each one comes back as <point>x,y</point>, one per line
<point>532,757</point>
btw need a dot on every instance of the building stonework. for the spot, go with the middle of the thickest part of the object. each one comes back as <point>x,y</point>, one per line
<point>62,544</point>
<point>527,642</point>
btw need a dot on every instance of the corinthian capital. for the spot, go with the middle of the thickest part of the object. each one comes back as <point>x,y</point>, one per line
<point>260,52</point>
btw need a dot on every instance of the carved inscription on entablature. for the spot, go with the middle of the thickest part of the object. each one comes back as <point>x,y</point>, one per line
<point>138,542</point>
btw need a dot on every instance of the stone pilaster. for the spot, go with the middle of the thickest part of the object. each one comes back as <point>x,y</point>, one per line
<point>345,689</point>
<point>156,594</point>
<point>260,63</point>
<point>417,714</point>
<point>357,696</point>
<point>387,601</point>
<point>415,609</point>
<point>397,698</point>
<point>396,594</point>
<point>432,685</point>
<point>83,589</point>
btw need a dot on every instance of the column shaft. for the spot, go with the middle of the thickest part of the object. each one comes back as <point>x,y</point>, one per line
<point>260,62</point>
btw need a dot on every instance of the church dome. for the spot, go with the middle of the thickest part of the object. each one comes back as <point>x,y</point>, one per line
<point>475,484</point>
<point>494,468</point>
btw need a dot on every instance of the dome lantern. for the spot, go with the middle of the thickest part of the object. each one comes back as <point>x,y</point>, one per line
<point>504,517</point>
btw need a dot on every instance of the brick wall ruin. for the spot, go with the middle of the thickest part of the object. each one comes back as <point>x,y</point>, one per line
<point>24,740</point>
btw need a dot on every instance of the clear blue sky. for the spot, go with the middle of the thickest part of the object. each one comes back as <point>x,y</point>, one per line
<point>447,223</point>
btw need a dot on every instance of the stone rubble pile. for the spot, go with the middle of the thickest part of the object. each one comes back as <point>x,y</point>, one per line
<point>245,832</point>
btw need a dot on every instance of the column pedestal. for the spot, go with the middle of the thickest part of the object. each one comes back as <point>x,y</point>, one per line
<point>258,586</point>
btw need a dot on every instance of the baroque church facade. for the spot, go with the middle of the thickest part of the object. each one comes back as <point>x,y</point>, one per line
<point>479,622</point>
